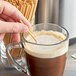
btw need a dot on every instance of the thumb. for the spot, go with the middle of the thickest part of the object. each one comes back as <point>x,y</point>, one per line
<point>12,27</point>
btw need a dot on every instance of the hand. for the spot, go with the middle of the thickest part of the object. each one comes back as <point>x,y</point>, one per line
<point>9,21</point>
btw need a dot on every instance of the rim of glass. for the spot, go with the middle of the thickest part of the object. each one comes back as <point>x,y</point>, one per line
<point>48,44</point>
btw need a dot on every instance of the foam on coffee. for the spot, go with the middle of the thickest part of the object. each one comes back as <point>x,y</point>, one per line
<point>47,38</point>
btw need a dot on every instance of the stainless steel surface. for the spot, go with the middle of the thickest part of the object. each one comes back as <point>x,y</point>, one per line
<point>70,69</point>
<point>67,16</point>
<point>47,11</point>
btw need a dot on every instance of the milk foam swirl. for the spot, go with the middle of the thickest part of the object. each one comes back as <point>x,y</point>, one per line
<point>47,37</point>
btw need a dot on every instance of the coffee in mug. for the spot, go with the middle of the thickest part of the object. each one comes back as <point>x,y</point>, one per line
<point>48,56</point>
<point>46,60</point>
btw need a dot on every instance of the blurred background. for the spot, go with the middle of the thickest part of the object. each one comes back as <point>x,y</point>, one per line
<point>61,12</point>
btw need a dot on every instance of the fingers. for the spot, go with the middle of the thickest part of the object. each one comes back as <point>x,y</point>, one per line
<point>16,37</point>
<point>12,27</point>
<point>2,19</point>
<point>7,18</point>
<point>13,12</point>
<point>1,8</point>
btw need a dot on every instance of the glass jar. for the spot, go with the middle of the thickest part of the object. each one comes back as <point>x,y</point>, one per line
<point>27,8</point>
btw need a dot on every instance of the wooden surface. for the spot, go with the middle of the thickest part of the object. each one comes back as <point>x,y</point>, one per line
<point>70,68</point>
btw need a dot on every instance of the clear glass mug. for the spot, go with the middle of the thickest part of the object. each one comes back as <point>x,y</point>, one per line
<point>33,64</point>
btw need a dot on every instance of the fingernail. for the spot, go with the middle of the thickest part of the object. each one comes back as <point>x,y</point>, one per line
<point>29,25</point>
<point>24,29</point>
<point>1,9</point>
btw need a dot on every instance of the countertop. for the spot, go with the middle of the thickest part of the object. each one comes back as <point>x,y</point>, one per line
<point>70,68</point>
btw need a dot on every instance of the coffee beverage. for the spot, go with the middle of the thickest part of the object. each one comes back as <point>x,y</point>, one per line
<point>47,57</point>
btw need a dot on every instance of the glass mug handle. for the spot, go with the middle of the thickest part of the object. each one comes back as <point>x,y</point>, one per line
<point>12,61</point>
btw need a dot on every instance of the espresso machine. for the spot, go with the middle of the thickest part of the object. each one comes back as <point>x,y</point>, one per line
<point>47,11</point>
<point>61,12</point>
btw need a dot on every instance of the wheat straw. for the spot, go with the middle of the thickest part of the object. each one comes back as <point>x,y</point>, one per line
<point>30,33</point>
